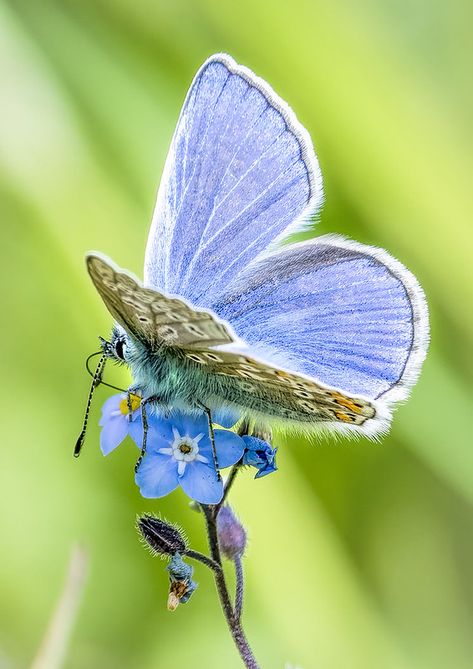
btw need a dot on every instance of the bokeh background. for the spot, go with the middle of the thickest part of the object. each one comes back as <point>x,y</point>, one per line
<point>361,554</point>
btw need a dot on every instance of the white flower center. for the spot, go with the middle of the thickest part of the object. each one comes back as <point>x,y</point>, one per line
<point>184,449</point>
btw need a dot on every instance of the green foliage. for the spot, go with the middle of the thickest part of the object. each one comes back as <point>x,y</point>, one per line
<point>90,94</point>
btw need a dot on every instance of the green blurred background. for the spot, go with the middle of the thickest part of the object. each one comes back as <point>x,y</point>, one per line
<point>361,554</point>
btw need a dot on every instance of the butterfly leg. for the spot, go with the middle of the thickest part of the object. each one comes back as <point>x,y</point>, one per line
<point>144,420</point>
<point>212,439</point>
<point>128,403</point>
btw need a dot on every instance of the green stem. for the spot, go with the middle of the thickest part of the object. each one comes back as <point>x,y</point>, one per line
<point>231,617</point>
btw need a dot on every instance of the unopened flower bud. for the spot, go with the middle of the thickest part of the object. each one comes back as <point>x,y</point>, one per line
<point>161,537</point>
<point>181,585</point>
<point>231,534</point>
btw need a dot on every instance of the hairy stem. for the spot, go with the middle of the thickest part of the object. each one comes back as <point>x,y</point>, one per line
<point>231,617</point>
<point>195,555</point>
<point>228,484</point>
<point>239,587</point>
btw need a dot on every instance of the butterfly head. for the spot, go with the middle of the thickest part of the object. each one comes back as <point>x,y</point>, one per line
<point>118,347</point>
<point>124,349</point>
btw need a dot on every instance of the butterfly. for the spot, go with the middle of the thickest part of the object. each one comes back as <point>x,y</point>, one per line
<point>325,333</point>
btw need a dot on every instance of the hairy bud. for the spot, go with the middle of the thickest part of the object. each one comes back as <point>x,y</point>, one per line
<point>162,538</point>
<point>231,534</point>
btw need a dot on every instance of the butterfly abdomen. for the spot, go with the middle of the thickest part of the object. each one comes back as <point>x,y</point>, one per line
<point>186,380</point>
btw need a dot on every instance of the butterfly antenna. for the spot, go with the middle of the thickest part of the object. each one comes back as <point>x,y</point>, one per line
<point>96,380</point>
<point>102,382</point>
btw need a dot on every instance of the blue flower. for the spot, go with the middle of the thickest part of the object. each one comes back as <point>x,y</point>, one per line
<point>259,454</point>
<point>116,422</point>
<point>225,417</point>
<point>179,453</point>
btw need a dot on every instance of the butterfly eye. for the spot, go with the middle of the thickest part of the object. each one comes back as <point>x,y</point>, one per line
<point>120,349</point>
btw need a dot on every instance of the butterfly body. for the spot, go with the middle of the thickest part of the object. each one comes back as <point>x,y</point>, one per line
<point>179,381</point>
<point>325,333</point>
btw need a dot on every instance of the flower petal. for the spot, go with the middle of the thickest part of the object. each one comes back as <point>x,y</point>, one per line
<point>109,406</point>
<point>259,454</point>
<point>229,447</point>
<point>200,482</point>
<point>255,444</point>
<point>252,458</point>
<point>189,424</point>
<point>136,415</point>
<point>267,469</point>
<point>159,432</point>
<point>161,426</point>
<point>225,417</point>
<point>114,431</point>
<point>157,475</point>
<point>135,429</point>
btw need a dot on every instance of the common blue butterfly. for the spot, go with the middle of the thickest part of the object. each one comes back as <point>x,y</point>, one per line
<point>325,333</point>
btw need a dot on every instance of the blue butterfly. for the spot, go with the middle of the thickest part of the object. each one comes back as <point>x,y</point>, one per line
<point>325,333</point>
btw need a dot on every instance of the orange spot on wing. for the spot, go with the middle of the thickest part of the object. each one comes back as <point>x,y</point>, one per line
<point>343,416</point>
<point>346,402</point>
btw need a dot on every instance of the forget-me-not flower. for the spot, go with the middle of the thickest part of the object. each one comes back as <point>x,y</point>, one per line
<point>179,450</point>
<point>259,454</point>
<point>179,453</point>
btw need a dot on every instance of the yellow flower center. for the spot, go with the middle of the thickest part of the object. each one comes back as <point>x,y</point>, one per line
<point>135,401</point>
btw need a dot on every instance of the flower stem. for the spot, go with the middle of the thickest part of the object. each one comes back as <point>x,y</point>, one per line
<point>195,555</point>
<point>228,484</point>
<point>231,616</point>
<point>239,587</point>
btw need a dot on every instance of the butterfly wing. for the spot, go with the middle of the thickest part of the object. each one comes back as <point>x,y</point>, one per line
<point>150,316</point>
<point>346,314</point>
<point>240,170</point>
<point>275,393</point>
